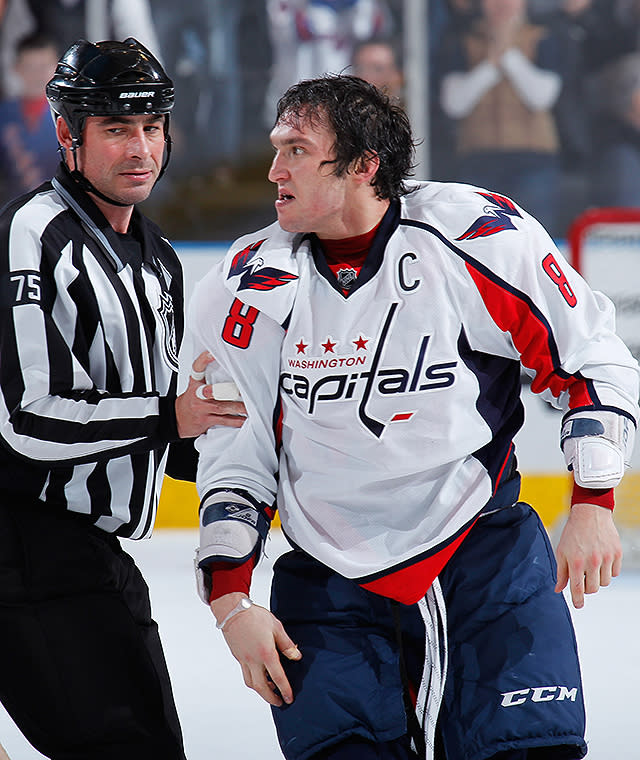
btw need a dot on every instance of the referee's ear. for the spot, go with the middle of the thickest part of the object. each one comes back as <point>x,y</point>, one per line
<point>63,133</point>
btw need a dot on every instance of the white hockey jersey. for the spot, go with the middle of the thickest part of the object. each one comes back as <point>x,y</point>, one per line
<point>395,406</point>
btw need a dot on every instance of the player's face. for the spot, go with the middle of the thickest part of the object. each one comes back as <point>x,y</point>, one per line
<point>310,197</point>
<point>122,155</point>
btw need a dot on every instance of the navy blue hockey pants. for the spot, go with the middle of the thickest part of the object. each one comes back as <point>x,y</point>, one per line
<point>512,680</point>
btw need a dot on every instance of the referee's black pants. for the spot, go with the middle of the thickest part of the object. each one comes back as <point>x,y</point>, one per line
<point>82,672</point>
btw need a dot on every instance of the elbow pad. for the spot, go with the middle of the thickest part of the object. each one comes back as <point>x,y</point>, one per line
<point>597,446</point>
<point>232,528</point>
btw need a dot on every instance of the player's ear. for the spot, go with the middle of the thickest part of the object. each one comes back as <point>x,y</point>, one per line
<point>366,166</point>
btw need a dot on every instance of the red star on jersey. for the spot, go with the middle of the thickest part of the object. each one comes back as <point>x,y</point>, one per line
<point>328,346</point>
<point>301,347</point>
<point>361,343</point>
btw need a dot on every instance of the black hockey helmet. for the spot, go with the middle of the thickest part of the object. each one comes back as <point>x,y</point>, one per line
<point>108,78</point>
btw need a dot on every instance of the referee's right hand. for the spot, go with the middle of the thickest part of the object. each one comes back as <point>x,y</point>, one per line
<point>197,410</point>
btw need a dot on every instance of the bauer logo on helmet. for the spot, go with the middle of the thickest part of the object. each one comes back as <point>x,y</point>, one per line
<point>142,94</point>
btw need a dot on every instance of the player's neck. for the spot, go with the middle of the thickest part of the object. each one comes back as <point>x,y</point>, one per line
<point>354,248</point>
<point>357,220</point>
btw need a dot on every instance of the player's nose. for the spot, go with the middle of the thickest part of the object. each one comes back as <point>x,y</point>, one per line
<point>278,169</point>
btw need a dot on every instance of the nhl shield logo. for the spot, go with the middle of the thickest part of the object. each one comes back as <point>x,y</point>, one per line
<point>346,278</point>
<point>165,310</point>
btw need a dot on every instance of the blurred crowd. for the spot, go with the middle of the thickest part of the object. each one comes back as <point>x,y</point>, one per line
<point>537,99</point>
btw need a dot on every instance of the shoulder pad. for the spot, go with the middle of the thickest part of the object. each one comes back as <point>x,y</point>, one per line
<point>262,270</point>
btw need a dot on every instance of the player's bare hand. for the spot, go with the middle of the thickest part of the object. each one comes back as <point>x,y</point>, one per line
<point>257,639</point>
<point>198,409</point>
<point>589,552</point>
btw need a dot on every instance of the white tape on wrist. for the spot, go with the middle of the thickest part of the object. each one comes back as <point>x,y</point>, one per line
<point>244,604</point>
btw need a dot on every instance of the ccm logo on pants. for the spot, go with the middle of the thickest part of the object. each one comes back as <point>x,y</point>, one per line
<point>539,694</point>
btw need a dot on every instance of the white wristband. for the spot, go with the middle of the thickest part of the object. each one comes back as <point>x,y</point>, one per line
<point>244,604</point>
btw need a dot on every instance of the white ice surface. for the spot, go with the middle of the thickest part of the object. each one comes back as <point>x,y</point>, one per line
<point>222,719</point>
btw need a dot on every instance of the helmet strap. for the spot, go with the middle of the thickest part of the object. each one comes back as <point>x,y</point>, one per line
<point>88,187</point>
<point>84,183</point>
<point>167,143</point>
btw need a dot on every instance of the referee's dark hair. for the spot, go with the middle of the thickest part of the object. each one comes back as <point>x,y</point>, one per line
<point>365,122</point>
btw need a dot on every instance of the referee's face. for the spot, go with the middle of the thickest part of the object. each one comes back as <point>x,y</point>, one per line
<point>122,155</point>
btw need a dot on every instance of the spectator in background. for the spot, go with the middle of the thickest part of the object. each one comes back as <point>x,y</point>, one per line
<point>183,40</point>
<point>571,20</point>
<point>445,43</point>
<point>4,6</point>
<point>95,20</point>
<point>448,20</point>
<point>607,29</point>
<point>219,55</point>
<point>312,37</point>
<point>612,31</point>
<point>615,165</point>
<point>543,10</point>
<point>377,61</point>
<point>66,21</point>
<point>462,12</point>
<point>28,143</point>
<point>16,22</point>
<point>500,87</point>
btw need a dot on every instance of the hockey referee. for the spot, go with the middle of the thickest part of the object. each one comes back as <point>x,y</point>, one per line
<point>90,327</point>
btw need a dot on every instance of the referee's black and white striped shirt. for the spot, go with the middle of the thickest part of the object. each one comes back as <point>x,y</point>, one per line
<point>88,358</point>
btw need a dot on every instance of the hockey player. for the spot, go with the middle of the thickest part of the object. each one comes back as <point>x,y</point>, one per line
<point>90,326</point>
<point>377,334</point>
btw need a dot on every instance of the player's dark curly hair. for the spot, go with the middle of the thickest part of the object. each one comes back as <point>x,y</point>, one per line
<point>365,121</point>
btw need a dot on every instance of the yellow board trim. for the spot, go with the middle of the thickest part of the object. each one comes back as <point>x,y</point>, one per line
<point>549,494</point>
<point>178,506</point>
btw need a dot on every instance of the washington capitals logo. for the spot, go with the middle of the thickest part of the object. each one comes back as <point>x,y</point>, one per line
<point>255,276</point>
<point>496,218</point>
<point>343,382</point>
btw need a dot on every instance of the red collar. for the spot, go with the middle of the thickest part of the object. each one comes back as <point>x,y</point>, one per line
<point>351,250</point>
